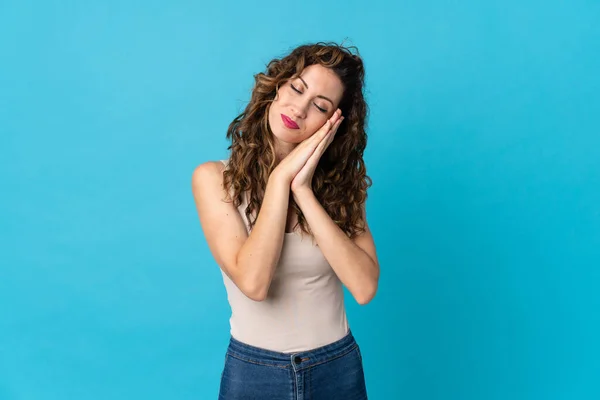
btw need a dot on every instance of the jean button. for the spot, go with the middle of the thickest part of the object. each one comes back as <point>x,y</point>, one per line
<point>297,360</point>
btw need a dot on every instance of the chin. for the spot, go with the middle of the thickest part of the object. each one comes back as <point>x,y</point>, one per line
<point>285,136</point>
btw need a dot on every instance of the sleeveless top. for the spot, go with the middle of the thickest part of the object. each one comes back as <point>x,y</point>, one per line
<point>304,308</point>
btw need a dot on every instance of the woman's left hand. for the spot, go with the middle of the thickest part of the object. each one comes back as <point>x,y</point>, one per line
<point>303,179</point>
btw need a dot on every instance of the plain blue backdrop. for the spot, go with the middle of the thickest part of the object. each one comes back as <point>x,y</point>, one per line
<point>484,150</point>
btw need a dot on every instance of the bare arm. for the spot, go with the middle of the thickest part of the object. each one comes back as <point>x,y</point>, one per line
<point>354,261</point>
<point>249,260</point>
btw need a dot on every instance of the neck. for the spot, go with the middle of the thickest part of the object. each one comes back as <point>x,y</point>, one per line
<point>282,149</point>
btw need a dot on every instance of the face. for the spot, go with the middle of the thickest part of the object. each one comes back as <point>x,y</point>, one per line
<point>302,105</point>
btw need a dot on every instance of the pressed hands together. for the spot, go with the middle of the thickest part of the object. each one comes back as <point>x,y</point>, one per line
<point>250,260</point>
<point>354,261</point>
<point>298,167</point>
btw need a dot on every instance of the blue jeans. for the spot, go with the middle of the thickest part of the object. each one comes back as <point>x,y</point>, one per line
<point>331,372</point>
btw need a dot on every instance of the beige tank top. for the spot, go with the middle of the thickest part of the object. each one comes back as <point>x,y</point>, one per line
<point>304,308</point>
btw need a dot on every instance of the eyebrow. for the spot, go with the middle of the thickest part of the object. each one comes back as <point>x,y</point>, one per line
<point>320,96</point>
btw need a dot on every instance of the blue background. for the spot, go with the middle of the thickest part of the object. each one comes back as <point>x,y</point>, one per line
<point>484,150</point>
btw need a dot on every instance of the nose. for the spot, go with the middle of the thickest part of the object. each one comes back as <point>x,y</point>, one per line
<point>299,109</point>
<point>297,114</point>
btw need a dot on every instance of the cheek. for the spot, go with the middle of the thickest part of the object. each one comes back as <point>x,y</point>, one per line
<point>315,124</point>
<point>275,105</point>
<point>281,96</point>
<point>312,129</point>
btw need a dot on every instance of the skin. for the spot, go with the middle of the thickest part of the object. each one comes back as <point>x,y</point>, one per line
<point>250,260</point>
<point>307,108</point>
<point>311,100</point>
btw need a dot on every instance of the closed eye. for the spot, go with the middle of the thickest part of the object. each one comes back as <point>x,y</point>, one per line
<point>299,92</point>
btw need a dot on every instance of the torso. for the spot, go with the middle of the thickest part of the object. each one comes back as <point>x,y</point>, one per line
<point>304,308</point>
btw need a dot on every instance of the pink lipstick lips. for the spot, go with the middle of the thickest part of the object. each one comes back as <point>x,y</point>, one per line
<point>287,121</point>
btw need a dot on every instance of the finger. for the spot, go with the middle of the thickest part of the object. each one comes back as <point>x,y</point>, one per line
<point>316,155</point>
<point>314,139</point>
<point>332,122</point>
<point>320,148</point>
<point>333,119</point>
<point>336,116</point>
<point>331,135</point>
<point>336,125</point>
<point>331,131</point>
<point>324,130</point>
<point>329,126</point>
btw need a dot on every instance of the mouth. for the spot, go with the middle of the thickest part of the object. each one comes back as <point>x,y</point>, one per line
<point>287,121</point>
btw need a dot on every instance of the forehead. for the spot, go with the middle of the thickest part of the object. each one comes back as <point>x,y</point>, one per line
<point>323,81</point>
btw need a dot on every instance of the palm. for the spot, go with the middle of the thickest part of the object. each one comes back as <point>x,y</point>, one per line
<point>303,179</point>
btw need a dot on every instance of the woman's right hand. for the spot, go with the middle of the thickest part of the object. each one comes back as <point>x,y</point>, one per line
<point>293,162</point>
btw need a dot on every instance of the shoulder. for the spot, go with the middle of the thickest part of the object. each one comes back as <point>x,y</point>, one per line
<point>208,176</point>
<point>209,170</point>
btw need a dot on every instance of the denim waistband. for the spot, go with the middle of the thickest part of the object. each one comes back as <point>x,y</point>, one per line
<point>298,360</point>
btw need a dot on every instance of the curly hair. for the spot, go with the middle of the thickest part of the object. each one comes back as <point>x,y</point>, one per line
<point>340,180</point>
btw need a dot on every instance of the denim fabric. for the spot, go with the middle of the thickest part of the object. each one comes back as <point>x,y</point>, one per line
<point>331,372</point>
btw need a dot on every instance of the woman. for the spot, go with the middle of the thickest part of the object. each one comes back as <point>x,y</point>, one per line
<point>284,218</point>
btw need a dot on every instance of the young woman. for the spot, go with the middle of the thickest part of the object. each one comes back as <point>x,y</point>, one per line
<point>284,218</point>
